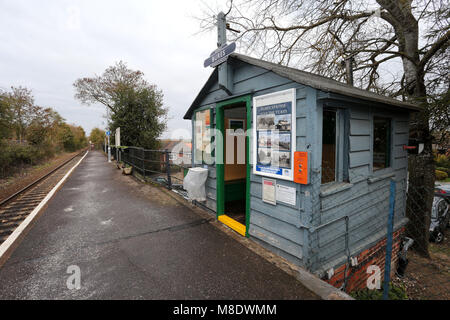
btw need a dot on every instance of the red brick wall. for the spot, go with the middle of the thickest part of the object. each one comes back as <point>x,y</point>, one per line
<point>357,276</point>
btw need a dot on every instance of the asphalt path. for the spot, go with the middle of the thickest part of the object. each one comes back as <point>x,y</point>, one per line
<point>127,240</point>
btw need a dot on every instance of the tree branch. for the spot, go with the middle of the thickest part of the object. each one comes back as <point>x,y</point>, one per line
<point>441,43</point>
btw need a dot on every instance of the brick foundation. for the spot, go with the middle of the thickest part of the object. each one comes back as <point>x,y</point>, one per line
<point>357,276</point>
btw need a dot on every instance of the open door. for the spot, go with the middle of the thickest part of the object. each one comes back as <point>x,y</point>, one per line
<point>233,176</point>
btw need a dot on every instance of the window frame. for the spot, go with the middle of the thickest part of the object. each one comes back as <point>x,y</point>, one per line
<point>389,168</point>
<point>211,138</point>
<point>342,144</point>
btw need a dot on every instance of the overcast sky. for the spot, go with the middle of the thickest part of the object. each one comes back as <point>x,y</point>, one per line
<point>46,45</point>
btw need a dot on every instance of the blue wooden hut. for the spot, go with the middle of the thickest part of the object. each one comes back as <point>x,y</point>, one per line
<point>353,143</point>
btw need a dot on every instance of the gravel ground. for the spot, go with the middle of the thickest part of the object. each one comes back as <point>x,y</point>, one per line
<point>428,279</point>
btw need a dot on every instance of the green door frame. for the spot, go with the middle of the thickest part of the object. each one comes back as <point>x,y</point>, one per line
<point>220,168</point>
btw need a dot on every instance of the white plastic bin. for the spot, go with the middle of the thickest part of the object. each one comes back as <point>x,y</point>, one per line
<point>194,183</point>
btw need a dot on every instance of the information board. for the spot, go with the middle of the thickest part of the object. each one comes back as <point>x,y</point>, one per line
<point>274,134</point>
<point>286,194</point>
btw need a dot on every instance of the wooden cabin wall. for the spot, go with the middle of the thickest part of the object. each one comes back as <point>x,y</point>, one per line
<point>365,198</point>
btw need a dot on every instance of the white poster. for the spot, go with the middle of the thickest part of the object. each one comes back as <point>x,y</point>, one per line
<point>269,193</point>
<point>286,194</point>
<point>274,134</point>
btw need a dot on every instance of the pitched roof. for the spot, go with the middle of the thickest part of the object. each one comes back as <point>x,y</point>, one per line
<point>169,144</point>
<point>306,78</point>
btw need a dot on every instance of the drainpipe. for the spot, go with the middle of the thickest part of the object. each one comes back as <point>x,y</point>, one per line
<point>347,246</point>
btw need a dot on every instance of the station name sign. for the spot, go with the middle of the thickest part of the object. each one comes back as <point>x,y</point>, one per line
<point>220,55</point>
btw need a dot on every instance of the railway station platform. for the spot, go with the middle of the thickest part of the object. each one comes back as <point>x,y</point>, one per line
<point>134,241</point>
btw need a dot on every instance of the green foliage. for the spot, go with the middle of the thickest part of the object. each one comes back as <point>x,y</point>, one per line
<point>442,166</point>
<point>14,155</point>
<point>29,133</point>
<point>5,117</point>
<point>136,106</point>
<point>80,140</point>
<point>446,170</point>
<point>442,160</point>
<point>396,292</point>
<point>138,114</point>
<point>441,175</point>
<point>66,137</point>
<point>97,136</point>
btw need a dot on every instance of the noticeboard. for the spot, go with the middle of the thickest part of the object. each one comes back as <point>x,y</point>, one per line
<point>274,134</point>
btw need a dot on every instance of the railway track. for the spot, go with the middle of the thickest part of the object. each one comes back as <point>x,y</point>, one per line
<point>15,209</point>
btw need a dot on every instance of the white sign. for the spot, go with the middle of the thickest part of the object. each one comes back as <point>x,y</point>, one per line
<point>274,134</point>
<point>286,194</point>
<point>117,137</point>
<point>269,191</point>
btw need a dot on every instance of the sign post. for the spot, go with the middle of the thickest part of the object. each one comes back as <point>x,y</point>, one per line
<point>117,143</point>
<point>108,133</point>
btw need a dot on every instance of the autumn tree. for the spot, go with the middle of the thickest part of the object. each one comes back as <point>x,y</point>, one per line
<point>44,126</point>
<point>399,48</point>
<point>5,117</point>
<point>97,136</point>
<point>135,105</point>
<point>22,108</point>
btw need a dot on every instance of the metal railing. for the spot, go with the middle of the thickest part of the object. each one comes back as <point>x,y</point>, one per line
<point>153,165</point>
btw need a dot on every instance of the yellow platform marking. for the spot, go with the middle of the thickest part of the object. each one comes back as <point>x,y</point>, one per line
<point>233,224</point>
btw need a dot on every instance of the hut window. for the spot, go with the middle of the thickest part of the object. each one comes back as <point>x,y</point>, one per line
<point>381,143</point>
<point>202,137</point>
<point>329,146</point>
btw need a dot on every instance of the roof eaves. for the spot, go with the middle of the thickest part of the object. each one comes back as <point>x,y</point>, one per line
<point>323,83</point>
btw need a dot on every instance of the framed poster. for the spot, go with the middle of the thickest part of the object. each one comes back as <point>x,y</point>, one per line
<point>274,134</point>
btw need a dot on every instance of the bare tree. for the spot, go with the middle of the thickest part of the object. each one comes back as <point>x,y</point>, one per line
<point>400,48</point>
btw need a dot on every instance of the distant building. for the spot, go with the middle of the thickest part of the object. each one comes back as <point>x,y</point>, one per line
<point>180,151</point>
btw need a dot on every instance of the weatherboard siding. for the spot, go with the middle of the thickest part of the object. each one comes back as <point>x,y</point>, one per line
<point>365,200</point>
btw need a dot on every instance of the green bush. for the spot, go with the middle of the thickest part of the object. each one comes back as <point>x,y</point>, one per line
<point>446,170</point>
<point>442,161</point>
<point>16,155</point>
<point>441,175</point>
<point>396,292</point>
